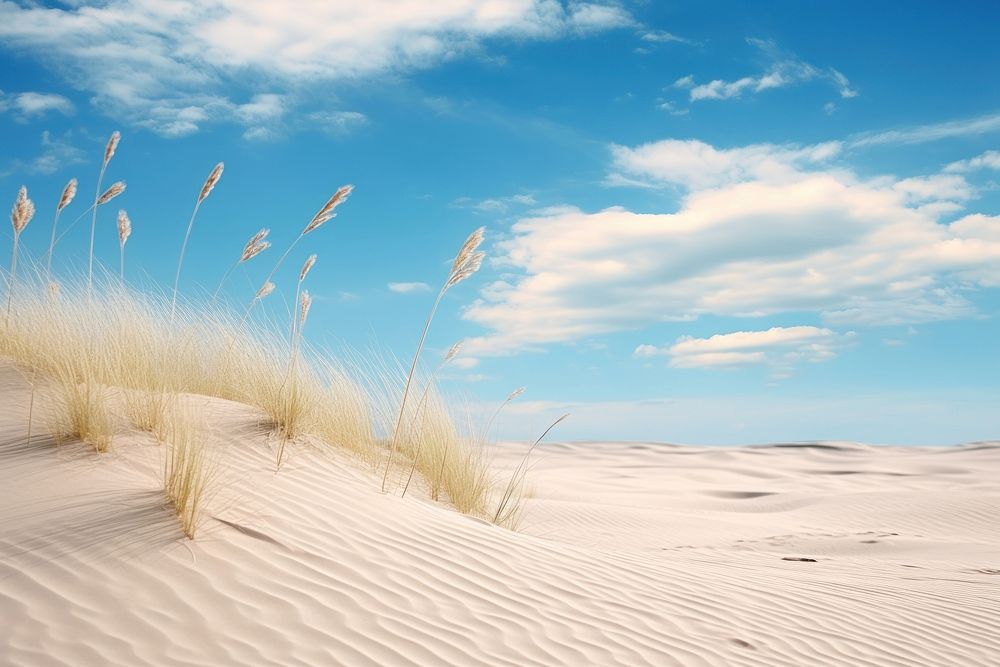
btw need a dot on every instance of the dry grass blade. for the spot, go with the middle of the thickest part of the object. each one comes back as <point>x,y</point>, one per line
<point>112,192</point>
<point>509,507</point>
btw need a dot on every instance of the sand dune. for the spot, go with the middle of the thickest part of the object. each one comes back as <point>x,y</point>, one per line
<point>629,554</point>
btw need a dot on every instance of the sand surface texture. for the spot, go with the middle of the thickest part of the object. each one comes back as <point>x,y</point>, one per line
<point>628,555</point>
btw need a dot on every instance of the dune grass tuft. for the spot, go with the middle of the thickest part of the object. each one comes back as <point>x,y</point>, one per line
<point>187,470</point>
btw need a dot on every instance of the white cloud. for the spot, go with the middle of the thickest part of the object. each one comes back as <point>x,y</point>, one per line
<point>28,105</point>
<point>779,347</point>
<point>784,70</point>
<point>144,60</point>
<point>988,160</point>
<point>407,288</point>
<point>760,230</point>
<point>661,36</point>
<point>695,164</point>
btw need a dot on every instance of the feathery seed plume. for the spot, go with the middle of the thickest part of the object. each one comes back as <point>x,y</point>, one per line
<point>325,213</point>
<point>470,245</point>
<point>124,227</point>
<point>452,352</point>
<point>306,303</point>
<point>264,290</point>
<point>306,267</point>
<point>109,150</point>
<point>67,194</point>
<point>210,182</point>
<point>470,266</point>
<point>255,245</point>
<point>514,394</point>
<point>254,250</point>
<point>112,192</point>
<point>22,212</point>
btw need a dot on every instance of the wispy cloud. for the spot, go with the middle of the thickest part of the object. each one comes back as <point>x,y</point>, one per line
<point>149,62</point>
<point>663,37</point>
<point>494,204</point>
<point>784,70</point>
<point>919,134</point>
<point>57,153</point>
<point>407,288</point>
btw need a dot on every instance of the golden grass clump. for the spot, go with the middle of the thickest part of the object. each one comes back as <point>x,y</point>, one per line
<point>82,409</point>
<point>187,471</point>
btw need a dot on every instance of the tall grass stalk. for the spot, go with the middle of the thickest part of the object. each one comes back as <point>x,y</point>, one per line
<point>509,506</point>
<point>68,193</point>
<point>303,272</point>
<point>323,215</point>
<point>206,189</point>
<point>466,262</point>
<point>449,355</point>
<point>20,215</point>
<point>109,152</point>
<point>290,427</point>
<point>256,245</point>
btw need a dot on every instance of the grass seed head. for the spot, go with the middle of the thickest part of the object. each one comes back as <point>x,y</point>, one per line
<point>67,194</point>
<point>210,182</point>
<point>22,212</point>
<point>112,192</point>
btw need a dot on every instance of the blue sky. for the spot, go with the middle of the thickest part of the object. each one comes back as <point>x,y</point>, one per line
<point>709,223</point>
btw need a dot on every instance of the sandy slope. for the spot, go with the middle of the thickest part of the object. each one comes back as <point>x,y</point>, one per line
<point>629,555</point>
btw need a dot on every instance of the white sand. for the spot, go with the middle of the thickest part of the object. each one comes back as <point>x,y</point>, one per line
<point>629,555</point>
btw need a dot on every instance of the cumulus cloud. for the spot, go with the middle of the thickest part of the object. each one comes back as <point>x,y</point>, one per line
<point>759,230</point>
<point>778,347</point>
<point>407,288</point>
<point>784,70</point>
<point>147,60</point>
